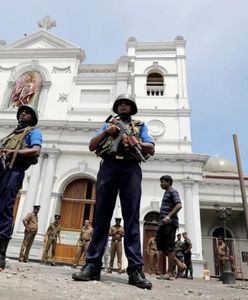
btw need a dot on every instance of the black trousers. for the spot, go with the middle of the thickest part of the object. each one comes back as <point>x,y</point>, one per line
<point>123,177</point>
<point>10,183</point>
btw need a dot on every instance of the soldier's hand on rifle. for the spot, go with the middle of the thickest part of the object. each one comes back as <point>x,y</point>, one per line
<point>8,152</point>
<point>129,140</point>
<point>2,153</point>
<point>112,129</point>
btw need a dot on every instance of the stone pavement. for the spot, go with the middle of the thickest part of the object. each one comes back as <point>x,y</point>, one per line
<point>35,281</point>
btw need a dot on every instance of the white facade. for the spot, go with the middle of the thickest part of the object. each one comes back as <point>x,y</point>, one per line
<point>75,100</point>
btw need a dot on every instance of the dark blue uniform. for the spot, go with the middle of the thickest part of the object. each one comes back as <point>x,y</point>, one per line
<point>123,176</point>
<point>10,183</point>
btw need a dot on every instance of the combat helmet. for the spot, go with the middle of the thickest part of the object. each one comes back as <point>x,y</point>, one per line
<point>33,111</point>
<point>129,98</point>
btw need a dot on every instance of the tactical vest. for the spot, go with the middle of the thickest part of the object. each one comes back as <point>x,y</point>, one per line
<point>104,147</point>
<point>15,141</point>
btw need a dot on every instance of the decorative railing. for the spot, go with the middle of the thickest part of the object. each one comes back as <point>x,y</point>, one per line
<point>154,90</point>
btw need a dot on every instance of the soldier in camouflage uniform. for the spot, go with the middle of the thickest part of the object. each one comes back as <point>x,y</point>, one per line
<point>187,246</point>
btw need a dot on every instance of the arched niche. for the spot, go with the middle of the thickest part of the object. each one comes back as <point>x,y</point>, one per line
<point>28,83</point>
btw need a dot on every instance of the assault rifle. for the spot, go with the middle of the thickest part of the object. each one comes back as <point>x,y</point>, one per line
<point>132,141</point>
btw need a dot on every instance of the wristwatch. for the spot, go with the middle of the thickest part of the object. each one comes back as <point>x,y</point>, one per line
<point>167,218</point>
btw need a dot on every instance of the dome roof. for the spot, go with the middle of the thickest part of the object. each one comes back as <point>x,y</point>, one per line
<point>220,165</point>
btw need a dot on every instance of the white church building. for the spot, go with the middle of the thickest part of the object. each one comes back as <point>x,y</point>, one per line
<point>73,99</point>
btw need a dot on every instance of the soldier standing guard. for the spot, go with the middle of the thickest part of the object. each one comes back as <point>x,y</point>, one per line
<point>83,242</point>
<point>122,143</point>
<point>53,234</point>
<point>18,151</point>
<point>31,227</point>
<point>116,232</point>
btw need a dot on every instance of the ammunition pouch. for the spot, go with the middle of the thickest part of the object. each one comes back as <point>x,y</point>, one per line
<point>105,146</point>
<point>15,141</point>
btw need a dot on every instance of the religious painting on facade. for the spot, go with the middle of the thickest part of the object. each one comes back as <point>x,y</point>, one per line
<point>27,89</point>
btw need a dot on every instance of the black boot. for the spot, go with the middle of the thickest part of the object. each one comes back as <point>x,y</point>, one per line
<point>3,248</point>
<point>87,273</point>
<point>137,278</point>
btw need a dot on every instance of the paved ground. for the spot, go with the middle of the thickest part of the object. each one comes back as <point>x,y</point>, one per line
<point>35,281</point>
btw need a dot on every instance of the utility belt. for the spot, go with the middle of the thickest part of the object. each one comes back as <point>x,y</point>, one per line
<point>119,157</point>
<point>25,162</point>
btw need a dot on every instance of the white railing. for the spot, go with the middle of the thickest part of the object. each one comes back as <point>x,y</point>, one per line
<point>155,90</point>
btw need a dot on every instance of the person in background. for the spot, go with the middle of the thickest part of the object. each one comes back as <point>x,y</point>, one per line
<point>221,251</point>
<point>117,233</point>
<point>168,223</point>
<point>187,246</point>
<point>53,235</point>
<point>179,254</point>
<point>153,254</point>
<point>83,242</point>
<point>30,223</point>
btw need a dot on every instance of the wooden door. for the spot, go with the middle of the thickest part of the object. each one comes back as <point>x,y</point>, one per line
<point>77,205</point>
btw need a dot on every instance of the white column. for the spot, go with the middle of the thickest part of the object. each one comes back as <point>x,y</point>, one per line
<point>179,77</point>
<point>122,76</point>
<point>192,218</point>
<point>31,197</point>
<point>184,77</point>
<point>45,196</point>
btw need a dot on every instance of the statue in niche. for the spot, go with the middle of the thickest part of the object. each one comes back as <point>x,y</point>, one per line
<point>26,89</point>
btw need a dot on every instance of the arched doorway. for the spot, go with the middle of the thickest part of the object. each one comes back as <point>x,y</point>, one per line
<point>150,230</point>
<point>229,242</point>
<point>77,205</point>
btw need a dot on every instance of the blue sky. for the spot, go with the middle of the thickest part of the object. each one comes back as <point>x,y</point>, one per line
<point>217,46</point>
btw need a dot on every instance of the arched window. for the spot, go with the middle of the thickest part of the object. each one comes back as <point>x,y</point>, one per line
<point>151,218</point>
<point>155,84</point>
<point>77,204</point>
